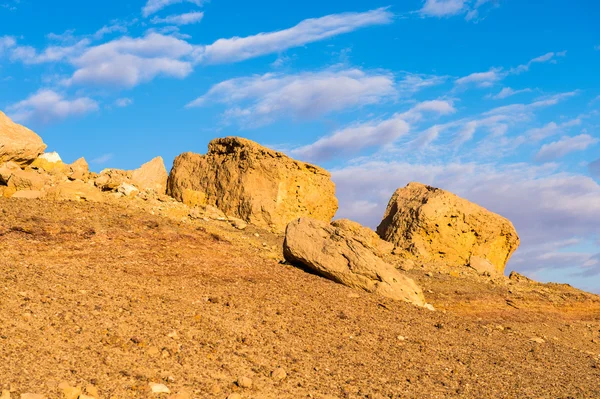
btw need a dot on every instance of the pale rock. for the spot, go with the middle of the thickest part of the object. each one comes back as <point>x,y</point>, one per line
<point>234,395</point>
<point>238,223</point>
<point>13,176</point>
<point>28,194</point>
<point>91,390</point>
<point>335,253</point>
<point>365,236</point>
<point>111,179</point>
<point>428,224</point>
<point>79,170</point>
<point>51,157</point>
<point>244,382</point>
<point>159,388</point>
<point>74,191</point>
<point>17,143</point>
<point>69,392</point>
<point>258,185</point>
<point>278,374</point>
<point>5,394</point>
<point>214,213</point>
<point>151,176</point>
<point>128,190</point>
<point>538,340</point>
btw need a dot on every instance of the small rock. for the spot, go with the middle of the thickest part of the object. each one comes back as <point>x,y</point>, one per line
<point>5,394</point>
<point>159,388</point>
<point>238,223</point>
<point>353,295</point>
<point>173,335</point>
<point>128,190</point>
<point>538,340</point>
<point>401,338</point>
<point>256,235</point>
<point>68,391</point>
<point>279,374</point>
<point>91,390</point>
<point>429,306</point>
<point>235,395</point>
<point>153,351</point>
<point>244,382</point>
<point>429,274</point>
<point>215,389</point>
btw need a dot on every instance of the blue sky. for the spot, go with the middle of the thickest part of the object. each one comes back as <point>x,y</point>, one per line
<point>495,100</point>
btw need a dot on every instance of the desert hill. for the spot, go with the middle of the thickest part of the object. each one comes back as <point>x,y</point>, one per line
<point>227,279</point>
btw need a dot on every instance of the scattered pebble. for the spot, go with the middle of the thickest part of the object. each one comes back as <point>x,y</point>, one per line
<point>159,388</point>
<point>279,374</point>
<point>244,382</point>
<point>401,338</point>
<point>429,306</point>
<point>68,391</point>
<point>235,395</point>
<point>429,274</point>
<point>538,340</point>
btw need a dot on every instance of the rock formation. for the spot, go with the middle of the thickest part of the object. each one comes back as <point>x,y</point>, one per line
<point>338,253</point>
<point>245,180</point>
<point>17,143</point>
<point>433,225</point>
<point>151,176</point>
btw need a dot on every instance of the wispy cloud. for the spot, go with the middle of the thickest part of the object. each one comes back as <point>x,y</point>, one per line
<point>6,42</point>
<point>181,19</point>
<point>47,106</point>
<point>564,146</point>
<point>376,133</point>
<point>481,79</point>
<point>443,8</point>
<point>261,99</point>
<point>154,6</point>
<point>550,129</point>
<point>308,31</point>
<point>29,55</point>
<point>508,92</point>
<point>102,159</point>
<point>548,57</point>
<point>123,102</point>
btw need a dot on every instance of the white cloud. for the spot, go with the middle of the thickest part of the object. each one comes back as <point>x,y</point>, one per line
<point>564,146</point>
<point>154,6</point>
<point>308,31</point>
<point>104,158</point>
<point>509,92</point>
<point>523,110</point>
<point>548,57</point>
<point>6,42</point>
<point>261,99</point>
<point>47,105</point>
<point>594,168</point>
<point>443,8</point>
<point>377,133</point>
<point>29,55</point>
<point>412,83</point>
<point>123,102</point>
<point>181,19</point>
<point>481,79</point>
<point>550,129</point>
<point>108,29</point>
<point>127,62</point>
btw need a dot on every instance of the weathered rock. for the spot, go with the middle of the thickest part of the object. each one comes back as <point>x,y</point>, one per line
<point>159,388</point>
<point>28,194</point>
<point>55,168</point>
<point>79,170</point>
<point>337,254</point>
<point>151,176</point>
<point>69,392</point>
<point>111,179</point>
<point>244,382</point>
<point>74,191</point>
<point>278,374</point>
<point>51,157</point>
<point>128,190</point>
<point>433,225</point>
<point>258,185</point>
<point>5,394</point>
<point>365,236</point>
<point>13,176</point>
<point>17,143</point>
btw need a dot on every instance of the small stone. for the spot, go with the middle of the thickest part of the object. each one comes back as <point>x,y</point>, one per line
<point>401,338</point>
<point>215,389</point>
<point>173,335</point>
<point>256,235</point>
<point>91,390</point>
<point>128,190</point>
<point>279,374</point>
<point>429,306</point>
<point>5,394</point>
<point>235,395</point>
<point>159,388</point>
<point>429,274</point>
<point>244,382</point>
<point>353,295</point>
<point>238,223</point>
<point>538,340</point>
<point>153,351</point>
<point>68,391</point>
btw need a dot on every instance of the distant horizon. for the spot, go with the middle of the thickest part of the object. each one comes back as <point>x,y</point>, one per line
<point>494,101</point>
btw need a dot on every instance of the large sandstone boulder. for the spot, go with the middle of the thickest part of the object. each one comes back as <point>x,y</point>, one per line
<point>339,254</point>
<point>74,191</point>
<point>251,182</point>
<point>17,143</point>
<point>433,225</point>
<point>151,176</point>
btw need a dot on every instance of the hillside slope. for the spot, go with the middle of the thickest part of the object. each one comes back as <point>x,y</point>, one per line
<point>113,296</point>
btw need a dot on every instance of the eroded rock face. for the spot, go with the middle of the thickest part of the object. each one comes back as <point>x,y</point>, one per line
<point>17,143</point>
<point>340,254</point>
<point>245,180</point>
<point>151,176</point>
<point>433,225</point>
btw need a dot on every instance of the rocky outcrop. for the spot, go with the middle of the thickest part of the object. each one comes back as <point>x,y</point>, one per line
<point>433,225</point>
<point>338,253</point>
<point>74,191</point>
<point>17,143</point>
<point>245,180</point>
<point>151,176</point>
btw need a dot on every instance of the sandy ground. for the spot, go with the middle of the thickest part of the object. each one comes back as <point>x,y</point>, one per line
<point>113,296</point>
